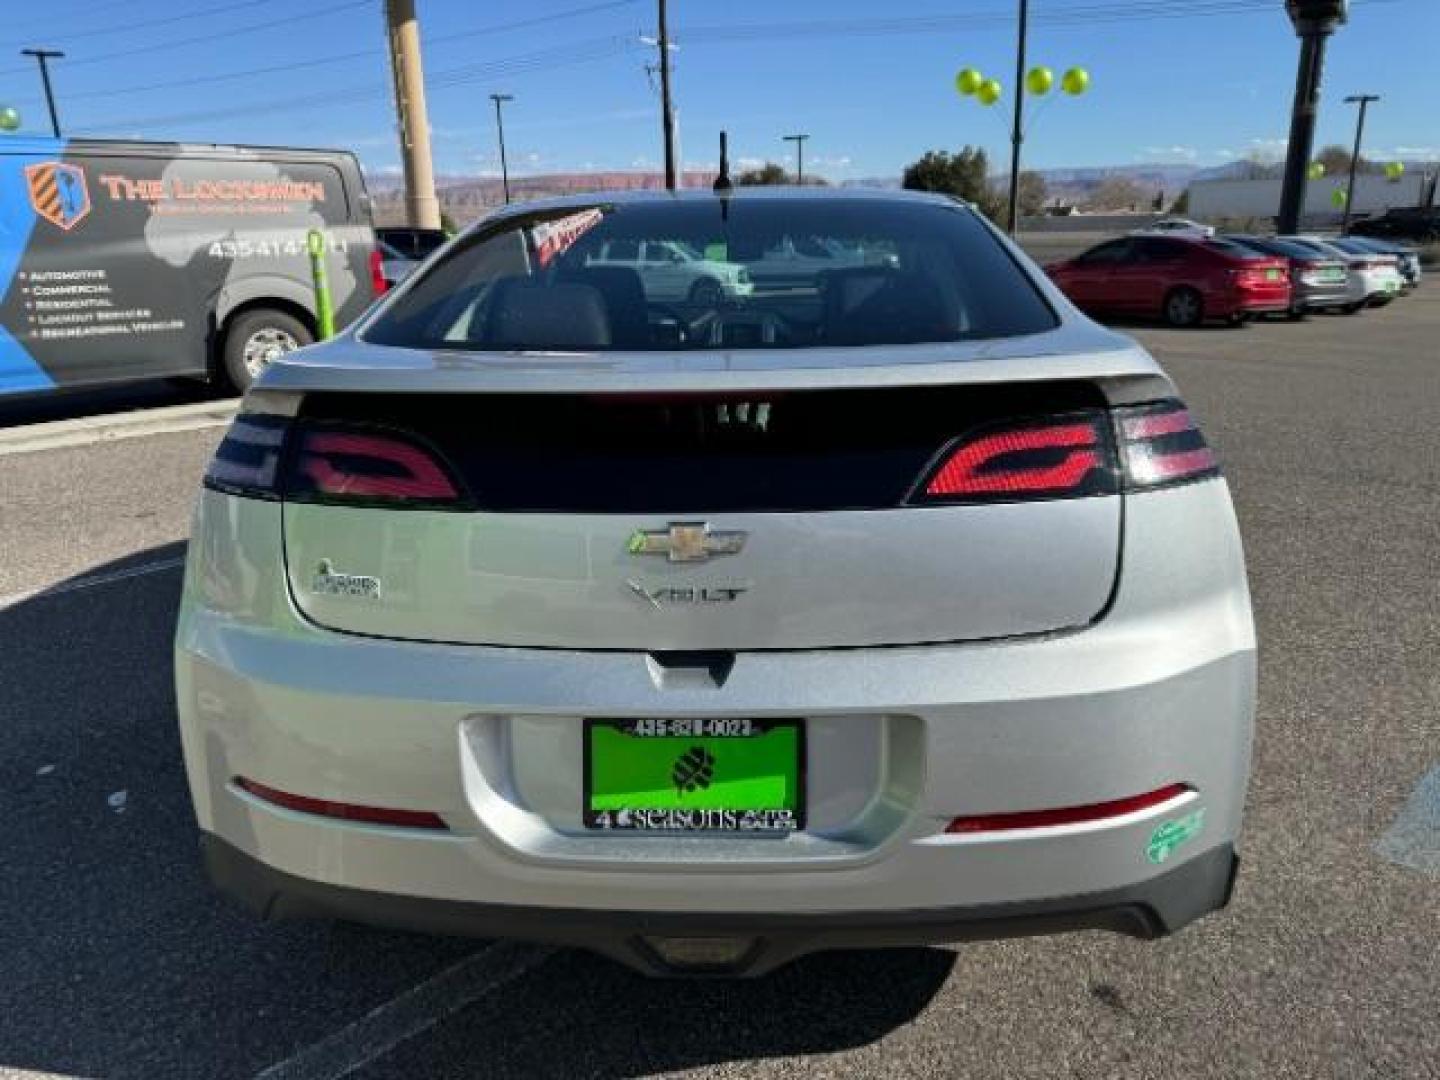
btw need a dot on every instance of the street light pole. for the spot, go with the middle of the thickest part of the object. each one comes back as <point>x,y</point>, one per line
<point>42,57</point>
<point>1363,100</point>
<point>799,141</point>
<point>1017,134</point>
<point>1314,22</point>
<point>500,100</point>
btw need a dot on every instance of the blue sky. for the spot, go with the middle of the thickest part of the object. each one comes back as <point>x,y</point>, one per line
<point>870,82</point>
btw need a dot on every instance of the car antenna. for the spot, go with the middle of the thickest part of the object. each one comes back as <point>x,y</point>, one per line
<point>723,186</point>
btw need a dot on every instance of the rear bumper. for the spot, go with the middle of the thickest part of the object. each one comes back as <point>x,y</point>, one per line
<point>1147,910</point>
<point>1322,296</point>
<point>899,741</point>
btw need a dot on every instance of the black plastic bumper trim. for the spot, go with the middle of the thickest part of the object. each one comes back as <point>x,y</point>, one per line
<point>1149,909</point>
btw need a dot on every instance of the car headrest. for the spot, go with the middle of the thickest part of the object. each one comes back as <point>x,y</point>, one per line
<point>532,315</point>
<point>878,304</point>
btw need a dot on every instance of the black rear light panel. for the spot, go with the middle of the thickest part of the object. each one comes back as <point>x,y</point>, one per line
<point>675,453</point>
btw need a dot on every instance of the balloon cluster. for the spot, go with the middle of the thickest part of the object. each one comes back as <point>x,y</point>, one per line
<point>1039,81</point>
<point>9,119</point>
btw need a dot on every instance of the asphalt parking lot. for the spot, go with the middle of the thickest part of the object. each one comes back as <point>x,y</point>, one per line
<point>117,961</point>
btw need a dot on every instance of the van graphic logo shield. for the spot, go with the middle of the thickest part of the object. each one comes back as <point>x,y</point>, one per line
<point>685,541</point>
<point>58,193</point>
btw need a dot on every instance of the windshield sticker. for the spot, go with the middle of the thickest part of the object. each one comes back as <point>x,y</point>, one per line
<point>552,238</point>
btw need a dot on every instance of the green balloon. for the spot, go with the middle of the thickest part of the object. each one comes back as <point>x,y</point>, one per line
<point>1316,170</point>
<point>9,119</point>
<point>989,92</point>
<point>968,81</point>
<point>1075,81</point>
<point>1039,81</point>
<point>1338,197</point>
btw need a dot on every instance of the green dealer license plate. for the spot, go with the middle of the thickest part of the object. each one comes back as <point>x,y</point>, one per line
<point>693,775</point>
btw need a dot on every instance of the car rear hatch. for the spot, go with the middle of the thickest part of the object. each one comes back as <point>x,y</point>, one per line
<point>785,517</point>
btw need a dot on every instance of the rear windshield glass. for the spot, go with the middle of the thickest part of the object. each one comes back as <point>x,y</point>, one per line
<point>1286,248</point>
<point>705,274</point>
<point>1234,250</point>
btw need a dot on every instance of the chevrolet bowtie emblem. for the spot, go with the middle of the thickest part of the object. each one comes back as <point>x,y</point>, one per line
<point>685,541</point>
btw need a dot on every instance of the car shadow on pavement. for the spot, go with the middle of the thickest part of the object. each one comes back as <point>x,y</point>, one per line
<point>118,960</point>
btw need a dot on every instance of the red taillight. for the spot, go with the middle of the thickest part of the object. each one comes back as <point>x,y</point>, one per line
<point>369,815</point>
<point>1067,815</point>
<point>1036,460</point>
<point>377,273</point>
<point>368,467</point>
<point>1160,445</point>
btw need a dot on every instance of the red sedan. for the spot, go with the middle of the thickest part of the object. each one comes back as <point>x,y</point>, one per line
<point>1183,281</point>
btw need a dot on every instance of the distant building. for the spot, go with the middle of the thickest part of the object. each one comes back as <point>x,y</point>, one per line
<point>1213,200</point>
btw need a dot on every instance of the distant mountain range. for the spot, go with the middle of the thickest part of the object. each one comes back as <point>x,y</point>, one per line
<point>465,198</point>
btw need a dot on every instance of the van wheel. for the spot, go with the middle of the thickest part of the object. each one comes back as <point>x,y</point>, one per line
<point>257,338</point>
<point>1184,307</point>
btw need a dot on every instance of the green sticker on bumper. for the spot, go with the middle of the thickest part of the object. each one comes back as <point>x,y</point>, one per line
<point>1169,835</point>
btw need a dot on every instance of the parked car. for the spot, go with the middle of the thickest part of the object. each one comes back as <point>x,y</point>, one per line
<point>412,243</point>
<point>1176,227</point>
<point>395,267</point>
<point>673,271</point>
<point>496,624</point>
<point>1180,280</point>
<point>1419,223</point>
<point>1407,258</point>
<point>798,261</point>
<point>1316,283</point>
<point>1374,279</point>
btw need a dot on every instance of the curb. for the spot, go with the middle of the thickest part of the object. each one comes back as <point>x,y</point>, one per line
<point>58,434</point>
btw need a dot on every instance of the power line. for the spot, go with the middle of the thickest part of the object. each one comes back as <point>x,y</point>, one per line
<point>126,27</point>
<point>785,32</point>
<point>336,58</point>
<point>203,39</point>
<point>579,52</point>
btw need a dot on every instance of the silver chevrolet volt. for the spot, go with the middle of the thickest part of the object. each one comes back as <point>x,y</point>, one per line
<point>893,602</point>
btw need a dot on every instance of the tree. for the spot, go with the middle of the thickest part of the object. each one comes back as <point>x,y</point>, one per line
<point>1033,193</point>
<point>1182,204</point>
<point>966,175</point>
<point>1336,160</point>
<point>769,173</point>
<point>1116,193</point>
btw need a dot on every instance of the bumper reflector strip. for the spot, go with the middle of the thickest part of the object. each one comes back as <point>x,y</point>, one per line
<point>1066,815</point>
<point>370,815</point>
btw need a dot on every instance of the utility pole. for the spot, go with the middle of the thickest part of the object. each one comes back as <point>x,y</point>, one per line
<point>799,141</point>
<point>422,208</point>
<point>43,57</point>
<point>667,115</point>
<point>499,100</point>
<point>1363,100</point>
<point>1314,22</point>
<point>1017,133</point>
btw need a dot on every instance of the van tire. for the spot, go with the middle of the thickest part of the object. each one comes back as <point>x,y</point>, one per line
<point>256,337</point>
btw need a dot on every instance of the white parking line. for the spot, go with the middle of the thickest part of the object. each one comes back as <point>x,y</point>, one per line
<point>1413,839</point>
<point>413,1012</point>
<point>76,584</point>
